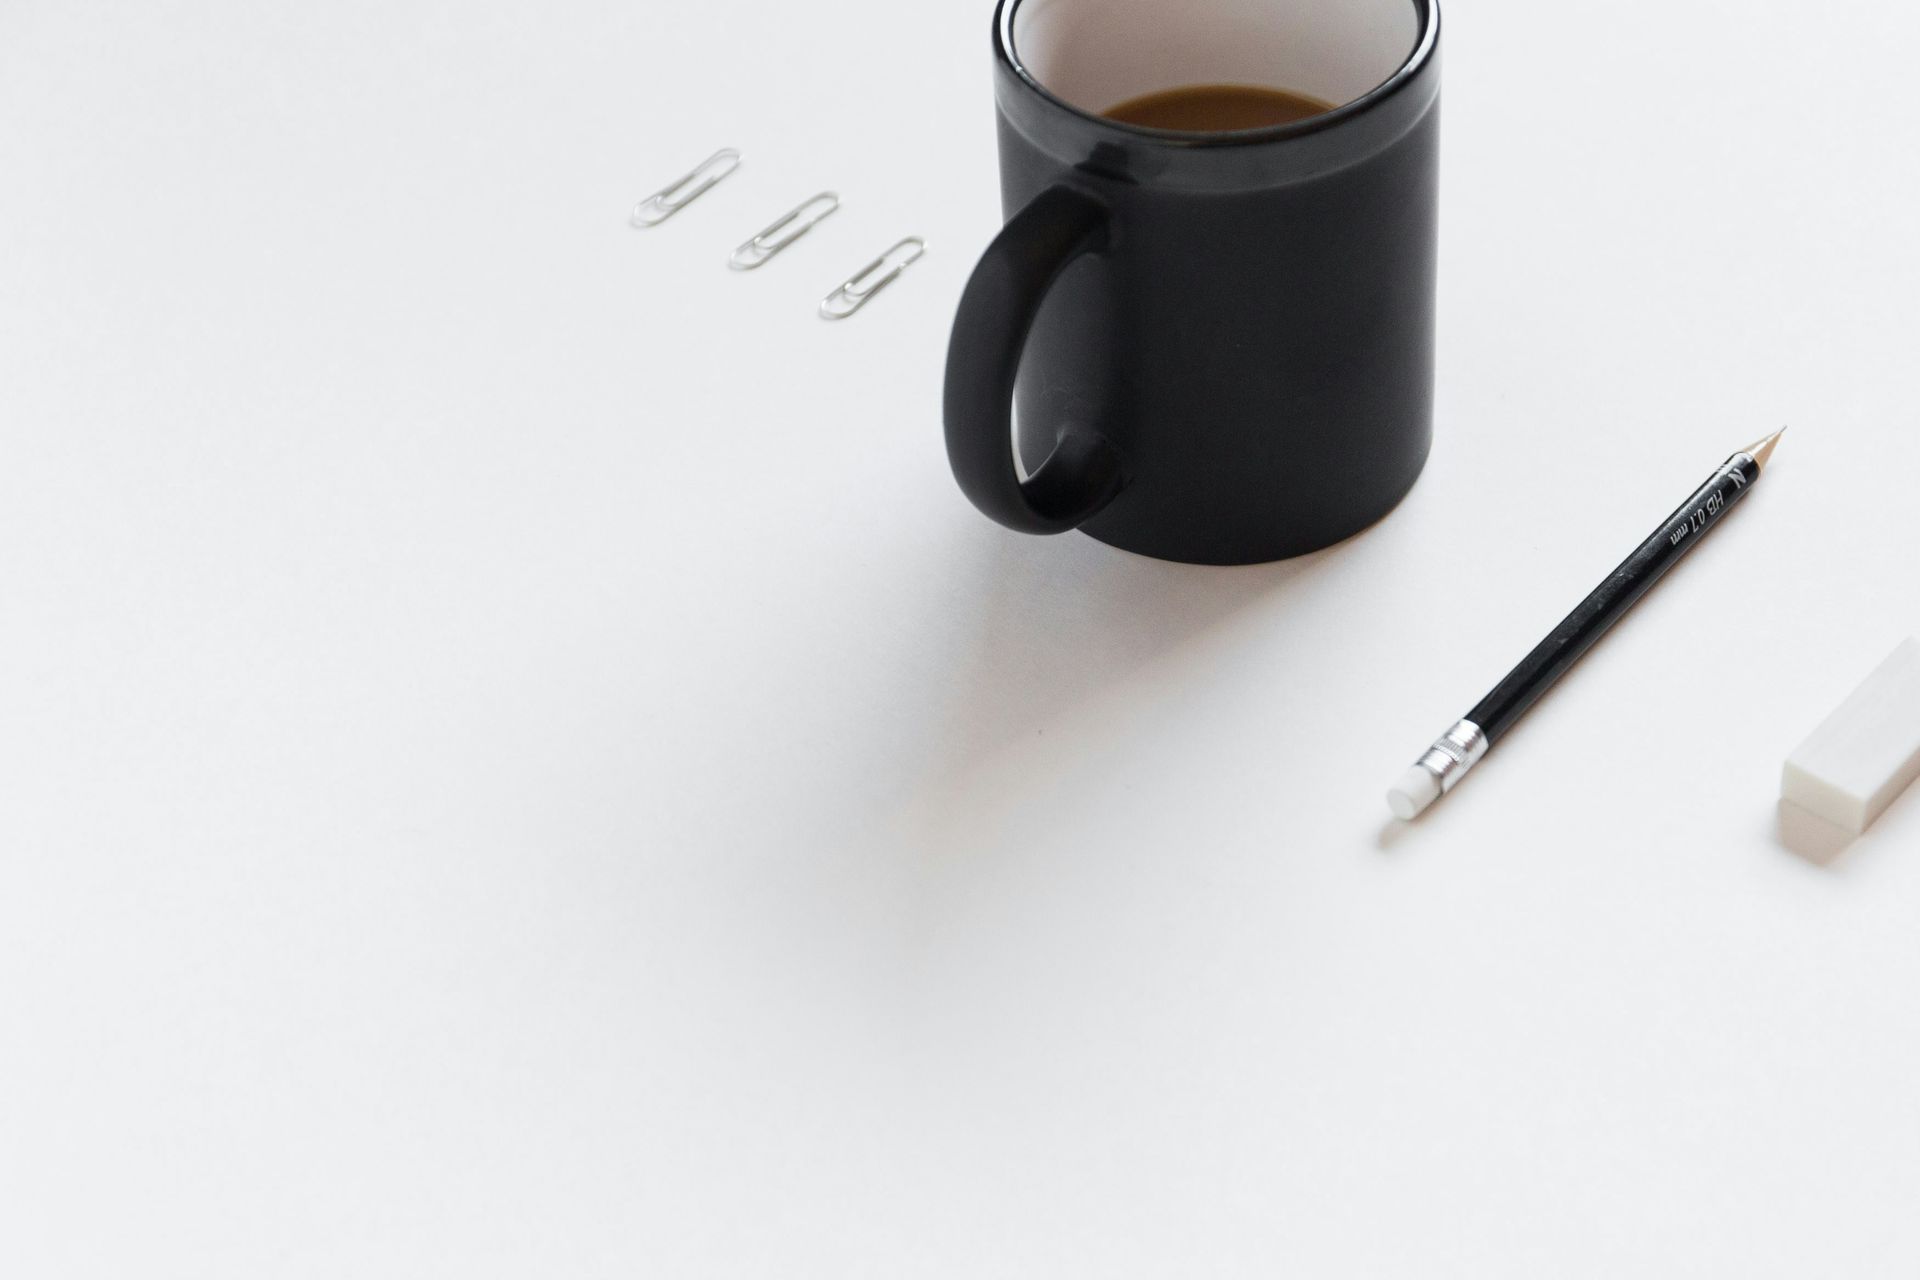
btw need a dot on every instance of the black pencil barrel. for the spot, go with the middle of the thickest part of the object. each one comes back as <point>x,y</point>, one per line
<point>1511,698</point>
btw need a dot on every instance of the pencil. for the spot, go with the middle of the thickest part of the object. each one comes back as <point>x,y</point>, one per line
<point>1467,743</point>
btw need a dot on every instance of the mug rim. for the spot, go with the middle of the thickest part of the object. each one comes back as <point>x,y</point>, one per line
<point>1410,67</point>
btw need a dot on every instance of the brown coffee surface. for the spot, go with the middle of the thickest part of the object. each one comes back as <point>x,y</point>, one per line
<point>1217,108</point>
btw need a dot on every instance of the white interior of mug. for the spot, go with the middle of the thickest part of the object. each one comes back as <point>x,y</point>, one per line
<point>1097,54</point>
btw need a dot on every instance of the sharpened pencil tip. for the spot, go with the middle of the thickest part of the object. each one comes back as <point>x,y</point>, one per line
<point>1761,450</point>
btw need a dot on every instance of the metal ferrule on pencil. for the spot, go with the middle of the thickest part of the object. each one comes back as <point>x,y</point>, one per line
<point>1456,751</point>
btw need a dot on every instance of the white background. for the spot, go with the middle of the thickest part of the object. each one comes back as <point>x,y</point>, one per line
<point>516,759</point>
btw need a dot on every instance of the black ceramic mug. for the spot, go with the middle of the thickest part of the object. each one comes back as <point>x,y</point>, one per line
<point>1223,341</point>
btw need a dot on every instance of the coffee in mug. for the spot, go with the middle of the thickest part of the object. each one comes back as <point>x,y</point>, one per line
<point>1216,108</point>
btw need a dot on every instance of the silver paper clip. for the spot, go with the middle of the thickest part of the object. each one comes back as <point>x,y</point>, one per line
<point>757,251</point>
<point>871,279</point>
<point>666,202</point>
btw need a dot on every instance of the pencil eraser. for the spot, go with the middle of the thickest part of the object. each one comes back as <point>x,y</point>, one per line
<point>1410,796</point>
<point>1864,754</point>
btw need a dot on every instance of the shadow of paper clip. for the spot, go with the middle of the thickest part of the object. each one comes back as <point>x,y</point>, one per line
<point>761,249</point>
<point>871,279</point>
<point>671,199</point>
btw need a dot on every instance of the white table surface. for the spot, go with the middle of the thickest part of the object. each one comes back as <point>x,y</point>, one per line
<point>517,760</point>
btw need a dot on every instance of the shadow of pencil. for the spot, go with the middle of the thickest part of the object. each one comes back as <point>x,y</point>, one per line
<point>1391,834</point>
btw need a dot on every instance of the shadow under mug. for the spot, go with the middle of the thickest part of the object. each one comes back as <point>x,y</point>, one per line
<point>1223,342</point>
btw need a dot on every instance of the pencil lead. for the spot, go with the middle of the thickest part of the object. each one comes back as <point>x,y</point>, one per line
<point>1761,450</point>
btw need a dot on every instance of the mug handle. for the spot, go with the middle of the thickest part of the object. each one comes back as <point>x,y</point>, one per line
<point>1084,472</point>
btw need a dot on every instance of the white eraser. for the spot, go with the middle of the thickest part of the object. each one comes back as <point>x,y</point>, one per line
<point>1410,797</point>
<point>1864,754</point>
